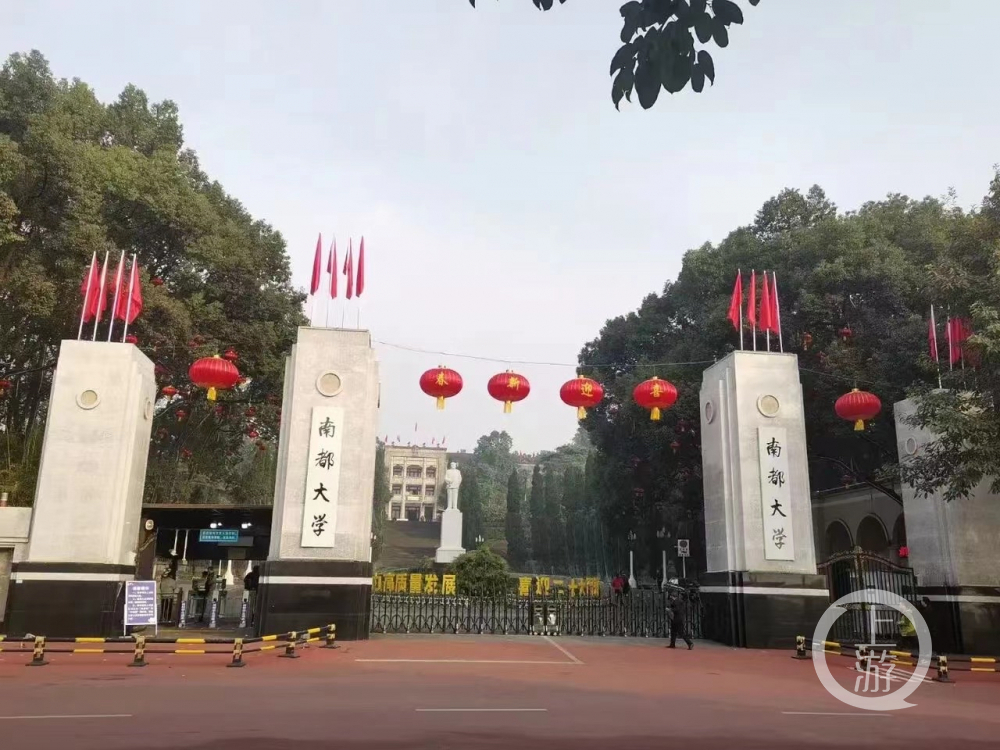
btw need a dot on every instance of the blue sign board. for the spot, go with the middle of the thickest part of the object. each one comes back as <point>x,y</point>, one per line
<point>141,603</point>
<point>219,535</point>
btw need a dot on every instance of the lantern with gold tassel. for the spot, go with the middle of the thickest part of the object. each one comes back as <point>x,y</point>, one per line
<point>858,407</point>
<point>441,383</point>
<point>655,394</point>
<point>215,374</point>
<point>583,393</point>
<point>508,387</point>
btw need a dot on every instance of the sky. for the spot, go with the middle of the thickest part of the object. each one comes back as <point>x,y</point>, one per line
<point>508,210</point>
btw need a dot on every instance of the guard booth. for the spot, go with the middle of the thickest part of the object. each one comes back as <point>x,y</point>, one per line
<point>180,543</point>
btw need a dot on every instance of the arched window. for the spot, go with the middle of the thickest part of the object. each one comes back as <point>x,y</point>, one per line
<point>414,472</point>
<point>838,538</point>
<point>431,472</point>
<point>397,470</point>
<point>872,536</point>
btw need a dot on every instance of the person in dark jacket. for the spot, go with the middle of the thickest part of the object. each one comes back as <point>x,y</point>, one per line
<point>678,624</point>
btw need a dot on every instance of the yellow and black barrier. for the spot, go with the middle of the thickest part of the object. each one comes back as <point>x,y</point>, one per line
<point>943,663</point>
<point>40,645</point>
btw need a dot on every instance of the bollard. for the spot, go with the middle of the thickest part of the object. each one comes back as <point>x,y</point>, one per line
<point>182,616</point>
<point>800,647</point>
<point>213,617</point>
<point>38,653</point>
<point>139,657</point>
<point>331,637</point>
<point>290,647</point>
<point>243,609</point>
<point>942,669</point>
<point>237,654</point>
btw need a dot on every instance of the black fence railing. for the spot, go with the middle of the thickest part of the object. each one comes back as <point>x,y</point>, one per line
<point>640,613</point>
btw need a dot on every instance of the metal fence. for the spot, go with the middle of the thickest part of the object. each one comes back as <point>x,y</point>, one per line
<point>638,614</point>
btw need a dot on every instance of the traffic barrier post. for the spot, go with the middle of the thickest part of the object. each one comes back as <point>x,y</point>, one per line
<point>139,656</point>
<point>800,647</point>
<point>213,616</point>
<point>38,653</point>
<point>244,605</point>
<point>290,646</point>
<point>331,637</point>
<point>237,654</point>
<point>942,669</point>
<point>182,615</point>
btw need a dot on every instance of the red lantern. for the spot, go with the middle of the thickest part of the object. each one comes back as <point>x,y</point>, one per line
<point>655,394</point>
<point>253,434</point>
<point>675,445</point>
<point>583,393</point>
<point>858,407</point>
<point>215,374</point>
<point>904,552</point>
<point>846,333</point>
<point>807,340</point>
<point>156,281</point>
<point>441,383</point>
<point>185,453</point>
<point>169,391</point>
<point>4,385</point>
<point>181,414</point>
<point>508,387</point>
<point>231,355</point>
<point>130,339</point>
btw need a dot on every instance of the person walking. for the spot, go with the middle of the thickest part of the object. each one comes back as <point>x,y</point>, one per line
<point>678,623</point>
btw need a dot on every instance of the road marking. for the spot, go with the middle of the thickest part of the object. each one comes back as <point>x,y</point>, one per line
<point>833,713</point>
<point>68,716</point>
<point>462,661</point>
<point>565,652</point>
<point>480,710</point>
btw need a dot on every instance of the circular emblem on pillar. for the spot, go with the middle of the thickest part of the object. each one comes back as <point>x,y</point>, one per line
<point>329,384</point>
<point>709,412</point>
<point>147,410</point>
<point>768,406</point>
<point>910,446</point>
<point>88,399</point>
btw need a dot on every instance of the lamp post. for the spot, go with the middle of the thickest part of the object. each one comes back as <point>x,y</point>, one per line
<point>662,534</point>
<point>479,540</point>
<point>371,547</point>
<point>631,559</point>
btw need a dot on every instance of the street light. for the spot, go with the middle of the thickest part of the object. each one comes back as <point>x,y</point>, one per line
<point>631,559</point>
<point>479,540</point>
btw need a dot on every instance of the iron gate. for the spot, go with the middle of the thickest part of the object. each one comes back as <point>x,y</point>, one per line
<point>638,614</point>
<point>856,570</point>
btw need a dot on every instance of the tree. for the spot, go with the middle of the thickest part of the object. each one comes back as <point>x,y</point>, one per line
<point>555,521</point>
<point>380,499</point>
<point>517,543</point>
<point>539,521</point>
<point>659,48</point>
<point>482,573</point>
<point>79,177</point>
<point>494,461</point>
<point>470,502</point>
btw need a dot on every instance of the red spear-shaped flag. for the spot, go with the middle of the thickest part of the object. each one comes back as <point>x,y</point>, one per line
<point>331,268</point>
<point>766,308</point>
<point>360,284</point>
<point>349,270</point>
<point>932,337</point>
<point>735,315</point>
<point>752,307</point>
<point>317,265</point>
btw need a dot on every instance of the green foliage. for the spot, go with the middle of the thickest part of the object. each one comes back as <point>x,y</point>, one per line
<point>659,47</point>
<point>78,177</point>
<point>470,502</point>
<point>380,500</point>
<point>539,526</point>
<point>517,541</point>
<point>482,573</point>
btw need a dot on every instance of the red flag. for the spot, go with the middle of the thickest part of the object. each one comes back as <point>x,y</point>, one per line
<point>360,285</point>
<point>736,302</point>
<point>752,301</point>
<point>776,309</point>
<point>932,336</point>
<point>133,308</point>
<point>317,265</point>
<point>100,292</point>
<point>960,329</point>
<point>349,270</point>
<point>332,269</point>
<point>766,308</point>
<point>90,290</point>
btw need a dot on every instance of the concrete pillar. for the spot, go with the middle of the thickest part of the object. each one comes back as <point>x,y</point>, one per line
<point>761,588</point>
<point>88,500</point>
<point>319,567</point>
<point>954,549</point>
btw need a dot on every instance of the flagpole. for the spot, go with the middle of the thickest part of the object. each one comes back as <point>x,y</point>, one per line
<point>118,289</point>
<point>951,354</point>
<point>739,278</point>
<point>753,317</point>
<point>102,295</point>
<point>86,296</point>
<point>128,305</point>
<point>777,310</point>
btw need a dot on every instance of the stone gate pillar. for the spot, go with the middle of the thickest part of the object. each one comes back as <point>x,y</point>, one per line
<point>88,500</point>
<point>319,568</point>
<point>761,588</point>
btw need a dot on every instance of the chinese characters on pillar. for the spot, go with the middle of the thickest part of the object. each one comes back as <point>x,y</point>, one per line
<point>319,511</point>
<point>776,494</point>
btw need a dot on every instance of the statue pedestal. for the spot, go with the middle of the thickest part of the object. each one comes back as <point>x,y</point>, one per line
<point>451,536</point>
<point>761,589</point>
<point>319,568</point>
<point>953,552</point>
<point>88,501</point>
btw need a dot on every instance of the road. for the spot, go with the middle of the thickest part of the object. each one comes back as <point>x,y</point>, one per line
<point>473,692</point>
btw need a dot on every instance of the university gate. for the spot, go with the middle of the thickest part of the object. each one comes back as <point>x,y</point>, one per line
<point>856,570</point>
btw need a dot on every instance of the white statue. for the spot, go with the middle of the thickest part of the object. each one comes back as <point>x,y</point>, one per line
<point>451,519</point>
<point>452,481</point>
